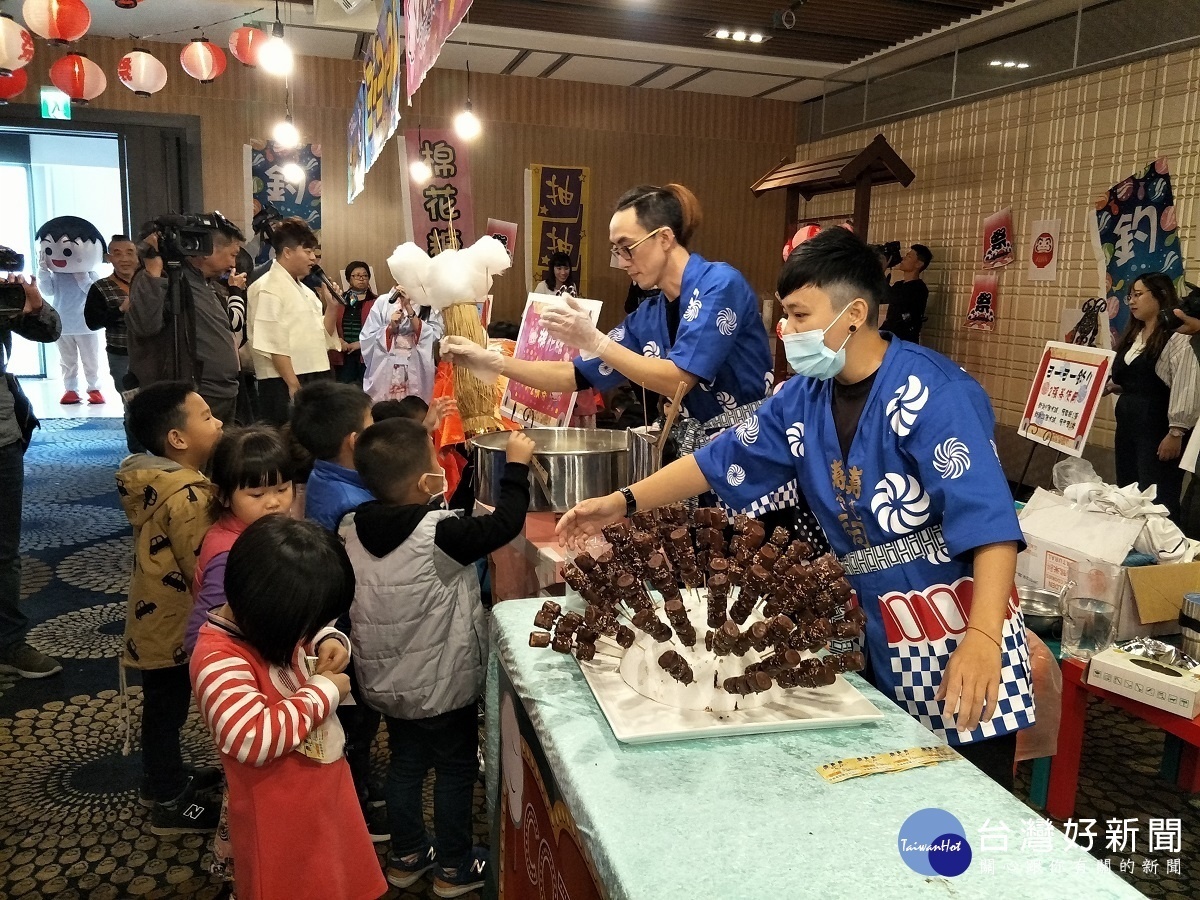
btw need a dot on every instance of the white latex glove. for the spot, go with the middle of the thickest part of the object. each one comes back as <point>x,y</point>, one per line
<point>570,323</point>
<point>482,362</point>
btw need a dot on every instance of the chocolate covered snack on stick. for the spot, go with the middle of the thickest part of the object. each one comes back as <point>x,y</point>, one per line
<point>678,617</point>
<point>676,666</point>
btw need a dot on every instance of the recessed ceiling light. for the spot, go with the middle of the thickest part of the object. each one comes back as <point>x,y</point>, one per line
<point>1022,65</point>
<point>739,35</point>
<point>721,34</point>
<point>1010,65</point>
<point>756,38</point>
<point>996,62</point>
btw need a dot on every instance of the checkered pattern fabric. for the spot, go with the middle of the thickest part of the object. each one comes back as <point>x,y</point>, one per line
<point>691,434</point>
<point>928,544</point>
<point>918,667</point>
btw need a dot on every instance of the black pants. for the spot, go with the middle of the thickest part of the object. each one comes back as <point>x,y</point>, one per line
<point>352,370</point>
<point>449,745</point>
<point>223,408</point>
<point>166,698</point>
<point>13,623</point>
<point>1136,451</point>
<point>274,401</point>
<point>995,757</point>
<point>360,724</point>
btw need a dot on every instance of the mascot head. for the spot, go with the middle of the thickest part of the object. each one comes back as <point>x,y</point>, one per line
<point>70,244</point>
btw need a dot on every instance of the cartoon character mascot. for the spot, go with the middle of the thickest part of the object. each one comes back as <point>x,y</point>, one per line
<point>70,249</point>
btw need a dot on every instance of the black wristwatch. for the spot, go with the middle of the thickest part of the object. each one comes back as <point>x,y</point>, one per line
<point>630,501</point>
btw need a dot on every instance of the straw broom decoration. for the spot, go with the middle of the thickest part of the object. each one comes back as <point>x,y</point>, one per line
<point>453,282</point>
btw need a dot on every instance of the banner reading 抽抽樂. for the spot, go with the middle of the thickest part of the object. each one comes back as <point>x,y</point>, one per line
<point>376,114</point>
<point>557,219</point>
<point>1135,222</point>
<point>441,210</point>
<point>270,188</point>
<point>1064,396</point>
<point>427,24</point>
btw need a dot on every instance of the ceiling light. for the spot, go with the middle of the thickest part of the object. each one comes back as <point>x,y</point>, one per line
<point>286,135</point>
<point>466,124</point>
<point>756,38</point>
<point>1010,65</point>
<point>1022,65</point>
<point>420,171</point>
<point>996,62</point>
<point>294,173</point>
<point>739,35</point>
<point>275,57</point>
<point>721,34</point>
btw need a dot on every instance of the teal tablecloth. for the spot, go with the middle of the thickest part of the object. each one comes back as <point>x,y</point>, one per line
<point>744,817</point>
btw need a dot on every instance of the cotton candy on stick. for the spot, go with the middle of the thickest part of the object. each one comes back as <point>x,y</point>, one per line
<point>457,280</point>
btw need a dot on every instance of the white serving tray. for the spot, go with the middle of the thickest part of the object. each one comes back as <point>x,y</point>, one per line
<point>635,719</point>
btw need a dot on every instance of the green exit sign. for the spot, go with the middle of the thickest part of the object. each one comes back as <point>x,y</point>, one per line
<point>55,104</point>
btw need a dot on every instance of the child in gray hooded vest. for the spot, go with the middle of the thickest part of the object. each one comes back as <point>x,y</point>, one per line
<point>420,639</point>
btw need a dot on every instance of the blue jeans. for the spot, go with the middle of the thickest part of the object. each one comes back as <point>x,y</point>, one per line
<point>13,622</point>
<point>448,744</point>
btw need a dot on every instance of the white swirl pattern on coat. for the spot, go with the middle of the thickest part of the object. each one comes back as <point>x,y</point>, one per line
<point>727,321</point>
<point>902,409</point>
<point>795,439</point>
<point>900,504</point>
<point>951,458</point>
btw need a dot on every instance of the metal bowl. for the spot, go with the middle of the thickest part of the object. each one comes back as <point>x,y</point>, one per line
<point>1042,611</point>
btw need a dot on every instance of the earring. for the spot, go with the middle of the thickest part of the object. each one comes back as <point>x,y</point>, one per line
<point>853,328</point>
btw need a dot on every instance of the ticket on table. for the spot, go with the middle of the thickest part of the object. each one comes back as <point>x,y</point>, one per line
<point>895,761</point>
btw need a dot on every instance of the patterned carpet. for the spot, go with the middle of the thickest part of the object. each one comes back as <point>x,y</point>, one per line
<point>70,826</point>
<point>69,823</point>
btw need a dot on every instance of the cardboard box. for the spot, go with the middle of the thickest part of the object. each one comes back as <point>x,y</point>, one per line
<point>1058,534</point>
<point>1155,684</point>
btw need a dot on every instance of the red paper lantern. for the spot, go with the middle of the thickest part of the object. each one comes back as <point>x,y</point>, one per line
<point>12,84</point>
<point>16,46</point>
<point>58,21</point>
<point>203,60</point>
<point>142,73</point>
<point>78,77</point>
<point>244,44</point>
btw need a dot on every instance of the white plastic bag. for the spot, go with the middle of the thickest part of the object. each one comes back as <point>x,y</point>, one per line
<point>1074,471</point>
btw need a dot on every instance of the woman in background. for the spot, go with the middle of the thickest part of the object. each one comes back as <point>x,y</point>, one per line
<point>345,321</point>
<point>1156,378</point>
<point>559,277</point>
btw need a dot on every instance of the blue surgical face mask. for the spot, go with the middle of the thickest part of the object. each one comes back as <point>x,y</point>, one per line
<point>807,354</point>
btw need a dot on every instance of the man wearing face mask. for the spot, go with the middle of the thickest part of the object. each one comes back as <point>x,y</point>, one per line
<point>891,445</point>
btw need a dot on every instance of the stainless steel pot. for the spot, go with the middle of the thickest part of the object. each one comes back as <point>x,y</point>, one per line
<point>1043,611</point>
<point>569,465</point>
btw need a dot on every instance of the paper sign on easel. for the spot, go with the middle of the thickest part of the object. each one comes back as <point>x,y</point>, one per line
<point>1065,395</point>
<point>530,406</point>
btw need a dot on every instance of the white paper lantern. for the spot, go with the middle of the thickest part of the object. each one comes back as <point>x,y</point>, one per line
<point>142,73</point>
<point>16,46</point>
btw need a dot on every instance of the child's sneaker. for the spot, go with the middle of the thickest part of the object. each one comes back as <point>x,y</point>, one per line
<point>405,871</point>
<point>186,814</point>
<point>466,878</point>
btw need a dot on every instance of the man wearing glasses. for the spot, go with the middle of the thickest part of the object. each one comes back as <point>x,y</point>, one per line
<point>703,329</point>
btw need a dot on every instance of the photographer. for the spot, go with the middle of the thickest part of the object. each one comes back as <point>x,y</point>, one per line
<point>35,321</point>
<point>287,333</point>
<point>207,356</point>
<point>908,295</point>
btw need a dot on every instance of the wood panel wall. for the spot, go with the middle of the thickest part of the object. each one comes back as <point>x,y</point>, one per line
<point>718,146</point>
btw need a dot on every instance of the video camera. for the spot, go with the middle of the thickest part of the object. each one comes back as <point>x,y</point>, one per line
<point>182,236</point>
<point>12,296</point>
<point>890,253</point>
<point>1189,305</point>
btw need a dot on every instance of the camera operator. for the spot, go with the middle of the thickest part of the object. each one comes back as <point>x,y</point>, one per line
<point>209,355</point>
<point>35,321</point>
<point>288,340</point>
<point>908,295</point>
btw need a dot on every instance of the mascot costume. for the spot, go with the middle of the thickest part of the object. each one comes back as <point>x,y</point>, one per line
<point>70,249</point>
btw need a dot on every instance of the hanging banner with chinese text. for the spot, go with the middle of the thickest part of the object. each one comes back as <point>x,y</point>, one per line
<point>557,222</point>
<point>529,406</point>
<point>1043,250</point>
<point>981,315</point>
<point>997,239</point>
<point>270,188</point>
<point>427,24</point>
<point>1135,222</point>
<point>378,116</point>
<point>1065,395</point>
<point>446,197</point>
<point>356,147</point>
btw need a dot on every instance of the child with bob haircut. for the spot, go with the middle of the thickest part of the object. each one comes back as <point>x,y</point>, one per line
<point>268,675</point>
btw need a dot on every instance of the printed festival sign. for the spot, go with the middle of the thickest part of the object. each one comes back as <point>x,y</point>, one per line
<point>427,24</point>
<point>1136,235</point>
<point>1065,395</point>
<point>530,406</point>
<point>1043,250</point>
<point>505,233</point>
<point>443,204</point>
<point>982,313</point>
<point>376,114</point>
<point>997,239</point>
